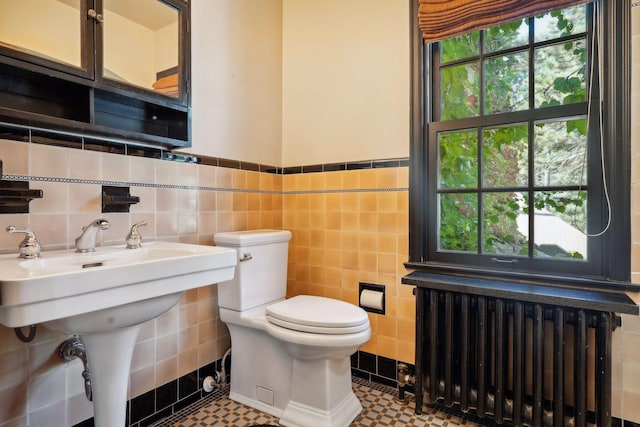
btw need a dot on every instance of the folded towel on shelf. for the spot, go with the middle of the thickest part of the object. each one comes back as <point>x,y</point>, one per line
<point>168,85</point>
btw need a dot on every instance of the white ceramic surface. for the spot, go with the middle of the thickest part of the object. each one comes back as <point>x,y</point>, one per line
<point>104,297</point>
<point>63,283</point>
<point>305,341</point>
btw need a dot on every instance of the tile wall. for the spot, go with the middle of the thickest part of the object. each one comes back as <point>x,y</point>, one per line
<point>349,224</point>
<point>348,227</point>
<point>182,202</point>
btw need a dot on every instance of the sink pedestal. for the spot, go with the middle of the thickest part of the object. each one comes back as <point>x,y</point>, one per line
<point>109,337</point>
<point>109,354</point>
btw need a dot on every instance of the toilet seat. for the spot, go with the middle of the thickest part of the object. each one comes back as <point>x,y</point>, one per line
<point>318,315</point>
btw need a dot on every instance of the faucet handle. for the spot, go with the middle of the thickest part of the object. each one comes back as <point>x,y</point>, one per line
<point>133,238</point>
<point>30,246</point>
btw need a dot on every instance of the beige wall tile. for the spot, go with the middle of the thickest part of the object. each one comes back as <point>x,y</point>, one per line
<point>48,161</point>
<point>630,406</point>
<point>13,402</point>
<point>115,167</point>
<point>144,354</point>
<point>79,409</point>
<point>9,242</point>
<point>83,198</point>
<point>15,157</point>
<point>142,380</point>
<point>339,239</point>
<point>56,200</point>
<point>142,170</point>
<point>187,361</point>
<point>166,370</point>
<point>51,229</point>
<point>85,164</point>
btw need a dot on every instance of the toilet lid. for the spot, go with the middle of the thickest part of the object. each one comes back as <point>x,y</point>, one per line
<point>313,314</point>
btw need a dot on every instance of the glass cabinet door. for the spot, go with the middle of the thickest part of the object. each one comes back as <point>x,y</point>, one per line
<point>52,33</point>
<point>141,42</point>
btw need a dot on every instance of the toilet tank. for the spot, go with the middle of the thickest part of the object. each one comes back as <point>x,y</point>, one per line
<point>261,272</point>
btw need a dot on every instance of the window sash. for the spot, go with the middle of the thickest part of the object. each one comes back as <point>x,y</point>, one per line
<point>591,266</point>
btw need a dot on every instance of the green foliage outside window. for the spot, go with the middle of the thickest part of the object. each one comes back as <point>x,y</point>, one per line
<point>489,178</point>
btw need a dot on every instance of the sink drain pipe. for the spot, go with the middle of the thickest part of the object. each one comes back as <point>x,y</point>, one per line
<point>69,350</point>
<point>26,338</point>
<point>219,377</point>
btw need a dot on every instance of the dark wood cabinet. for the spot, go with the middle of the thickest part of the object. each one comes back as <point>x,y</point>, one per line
<point>125,77</point>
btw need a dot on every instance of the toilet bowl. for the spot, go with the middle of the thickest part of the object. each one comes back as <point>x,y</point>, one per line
<point>291,357</point>
<point>313,327</point>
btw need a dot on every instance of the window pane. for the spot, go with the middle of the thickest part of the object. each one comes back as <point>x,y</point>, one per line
<point>507,83</point>
<point>560,74</point>
<point>460,47</point>
<point>458,159</point>
<point>460,91</point>
<point>505,224</point>
<point>560,23</point>
<point>560,224</point>
<point>560,153</point>
<point>505,156</point>
<point>506,36</point>
<point>458,226</point>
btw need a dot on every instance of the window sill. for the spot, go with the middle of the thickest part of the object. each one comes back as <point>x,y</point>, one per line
<point>547,291</point>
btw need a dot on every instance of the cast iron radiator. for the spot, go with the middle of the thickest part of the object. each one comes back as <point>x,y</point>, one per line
<point>477,356</point>
<point>514,360</point>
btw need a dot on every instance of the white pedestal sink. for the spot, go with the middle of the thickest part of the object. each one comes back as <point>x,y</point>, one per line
<point>104,297</point>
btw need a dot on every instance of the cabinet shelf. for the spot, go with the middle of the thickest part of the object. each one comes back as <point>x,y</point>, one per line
<point>30,98</point>
<point>23,90</point>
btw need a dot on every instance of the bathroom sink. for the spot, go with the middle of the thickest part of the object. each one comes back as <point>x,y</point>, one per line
<point>64,283</point>
<point>104,297</point>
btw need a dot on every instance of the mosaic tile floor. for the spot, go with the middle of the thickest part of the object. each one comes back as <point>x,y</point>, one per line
<point>380,409</point>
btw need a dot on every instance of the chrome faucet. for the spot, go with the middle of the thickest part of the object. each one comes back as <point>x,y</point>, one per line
<point>133,238</point>
<point>30,246</point>
<point>86,242</point>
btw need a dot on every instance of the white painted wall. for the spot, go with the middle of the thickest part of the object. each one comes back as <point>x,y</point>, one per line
<point>346,75</point>
<point>300,82</point>
<point>237,79</point>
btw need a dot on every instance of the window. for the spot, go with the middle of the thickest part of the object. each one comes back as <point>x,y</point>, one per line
<point>507,170</point>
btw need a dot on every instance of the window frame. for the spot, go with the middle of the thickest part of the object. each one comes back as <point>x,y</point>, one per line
<point>612,266</point>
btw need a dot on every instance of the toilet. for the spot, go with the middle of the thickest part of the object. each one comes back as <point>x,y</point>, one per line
<point>290,357</point>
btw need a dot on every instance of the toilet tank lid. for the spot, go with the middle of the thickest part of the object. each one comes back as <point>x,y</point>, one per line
<point>251,237</point>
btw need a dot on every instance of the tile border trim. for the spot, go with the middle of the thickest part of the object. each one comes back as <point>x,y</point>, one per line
<point>46,137</point>
<point>194,187</point>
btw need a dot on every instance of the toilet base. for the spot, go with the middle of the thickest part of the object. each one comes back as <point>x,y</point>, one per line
<point>321,394</point>
<point>297,414</point>
<point>303,385</point>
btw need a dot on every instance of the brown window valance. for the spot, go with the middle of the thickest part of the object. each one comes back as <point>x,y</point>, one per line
<point>440,19</point>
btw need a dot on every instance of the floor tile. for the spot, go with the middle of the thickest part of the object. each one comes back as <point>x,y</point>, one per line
<point>381,408</point>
